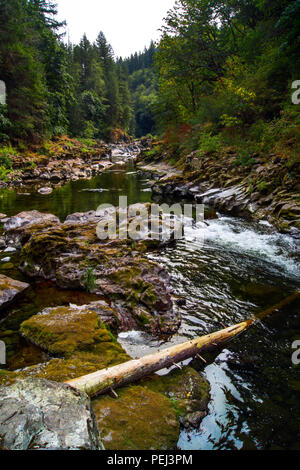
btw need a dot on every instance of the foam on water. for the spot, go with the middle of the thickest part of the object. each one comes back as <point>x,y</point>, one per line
<point>256,241</point>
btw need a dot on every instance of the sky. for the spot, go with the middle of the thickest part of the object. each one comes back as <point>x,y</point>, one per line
<point>129,25</point>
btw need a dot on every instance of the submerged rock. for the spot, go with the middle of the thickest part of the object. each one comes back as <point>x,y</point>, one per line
<point>139,419</point>
<point>10,289</point>
<point>37,414</point>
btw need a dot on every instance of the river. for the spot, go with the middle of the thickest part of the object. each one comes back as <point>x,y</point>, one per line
<point>240,269</point>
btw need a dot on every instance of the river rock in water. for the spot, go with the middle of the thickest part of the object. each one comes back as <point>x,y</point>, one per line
<point>10,289</point>
<point>37,414</point>
<point>188,388</point>
<point>45,191</point>
<point>76,332</point>
<point>139,419</point>
<point>72,255</point>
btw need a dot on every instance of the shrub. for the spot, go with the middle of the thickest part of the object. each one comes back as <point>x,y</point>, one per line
<point>5,156</point>
<point>209,144</point>
<point>244,159</point>
<point>90,280</point>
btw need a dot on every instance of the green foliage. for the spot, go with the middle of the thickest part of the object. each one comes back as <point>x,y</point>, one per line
<point>244,159</point>
<point>262,186</point>
<point>225,70</point>
<point>209,144</point>
<point>143,88</point>
<point>90,280</point>
<point>6,154</point>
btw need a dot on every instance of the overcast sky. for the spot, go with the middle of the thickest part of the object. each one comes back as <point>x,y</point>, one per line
<point>129,25</point>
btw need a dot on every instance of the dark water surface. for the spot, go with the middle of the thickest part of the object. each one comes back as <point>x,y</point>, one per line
<point>238,270</point>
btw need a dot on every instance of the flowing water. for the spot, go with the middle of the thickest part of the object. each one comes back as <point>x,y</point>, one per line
<point>223,273</point>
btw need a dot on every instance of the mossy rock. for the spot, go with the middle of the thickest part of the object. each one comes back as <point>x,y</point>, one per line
<point>186,388</point>
<point>7,378</point>
<point>139,419</point>
<point>61,370</point>
<point>69,331</point>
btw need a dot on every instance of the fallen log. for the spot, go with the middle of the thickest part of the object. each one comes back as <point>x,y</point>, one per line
<point>106,380</point>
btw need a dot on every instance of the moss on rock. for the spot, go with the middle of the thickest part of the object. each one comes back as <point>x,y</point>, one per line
<point>139,419</point>
<point>186,388</point>
<point>73,332</point>
<point>7,378</point>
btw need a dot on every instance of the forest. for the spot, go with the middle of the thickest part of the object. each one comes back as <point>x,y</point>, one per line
<point>54,88</point>
<point>221,68</point>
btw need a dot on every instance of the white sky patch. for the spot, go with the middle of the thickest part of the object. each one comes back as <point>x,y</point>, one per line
<point>129,25</point>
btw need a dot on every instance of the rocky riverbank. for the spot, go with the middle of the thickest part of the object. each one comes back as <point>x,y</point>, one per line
<point>260,190</point>
<point>57,162</point>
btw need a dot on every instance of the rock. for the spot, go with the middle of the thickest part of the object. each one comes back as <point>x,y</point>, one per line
<point>76,332</point>
<point>193,419</point>
<point>72,255</point>
<point>290,211</point>
<point>2,243</point>
<point>9,290</point>
<point>45,191</point>
<point>62,370</point>
<point>189,391</point>
<point>38,414</point>
<point>3,216</point>
<point>10,249</point>
<point>139,419</point>
<point>83,217</point>
<point>15,225</point>
<point>7,266</point>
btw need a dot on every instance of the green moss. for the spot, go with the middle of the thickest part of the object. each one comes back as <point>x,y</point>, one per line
<point>186,388</point>
<point>67,331</point>
<point>7,377</point>
<point>139,419</point>
<point>142,319</point>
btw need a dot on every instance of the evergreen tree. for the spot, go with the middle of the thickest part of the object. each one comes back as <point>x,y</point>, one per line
<point>106,56</point>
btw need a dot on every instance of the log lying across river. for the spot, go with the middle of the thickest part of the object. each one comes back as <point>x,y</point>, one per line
<point>106,380</point>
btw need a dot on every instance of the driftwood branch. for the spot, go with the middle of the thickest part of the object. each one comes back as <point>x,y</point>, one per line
<point>105,380</point>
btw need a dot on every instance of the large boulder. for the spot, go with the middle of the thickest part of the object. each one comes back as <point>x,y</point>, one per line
<point>26,219</point>
<point>9,290</point>
<point>76,332</point>
<point>38,414</point>
<point>139,419</point>
<point>72,255</point>
<point>16,227</point>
